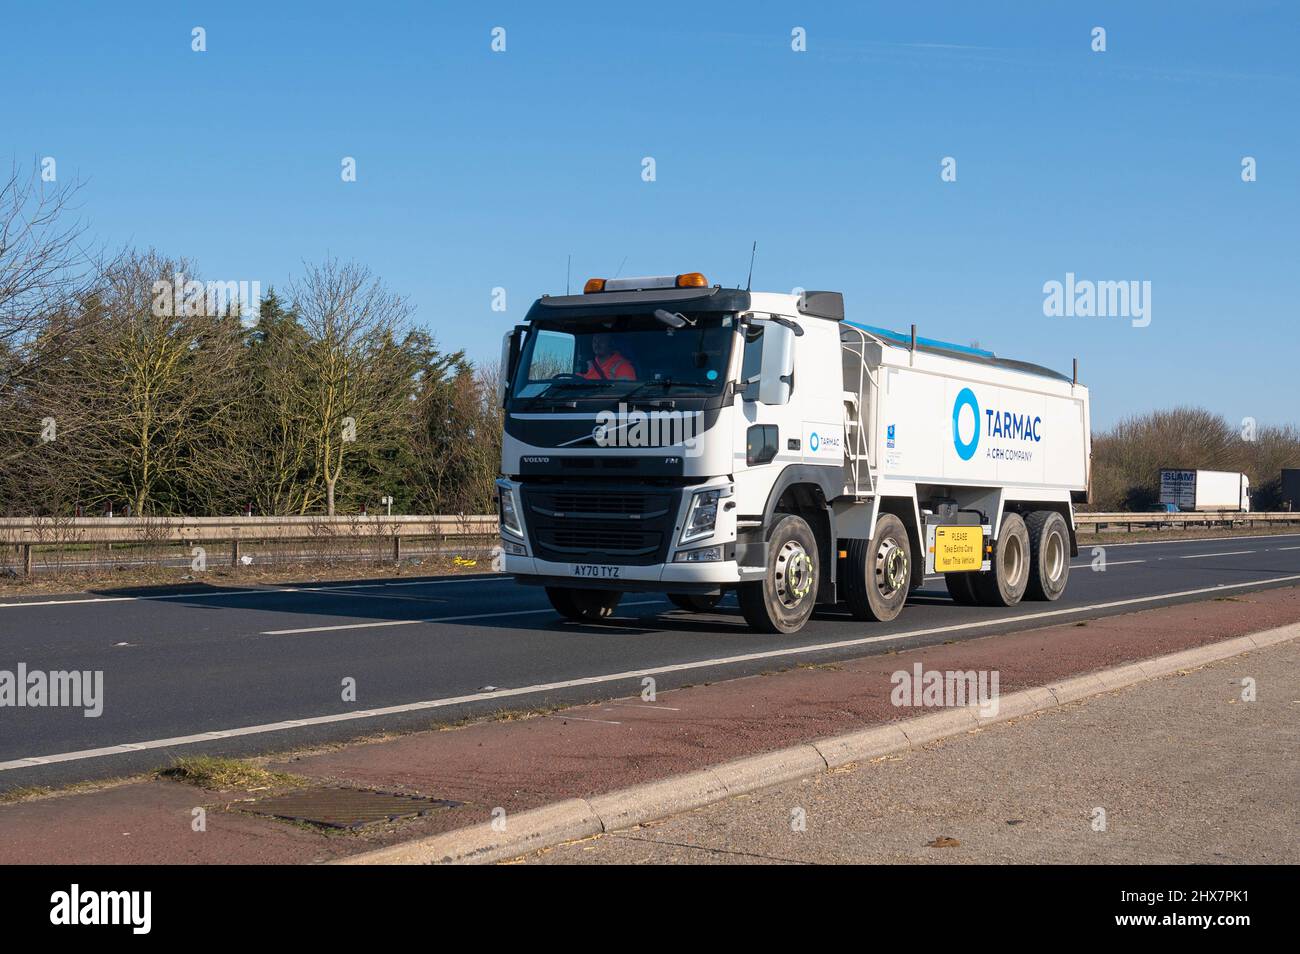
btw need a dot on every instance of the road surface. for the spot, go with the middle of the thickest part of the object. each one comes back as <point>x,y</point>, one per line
<point>241,672</point>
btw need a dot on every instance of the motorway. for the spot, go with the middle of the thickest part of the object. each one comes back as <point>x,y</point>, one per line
<point>247,671</point>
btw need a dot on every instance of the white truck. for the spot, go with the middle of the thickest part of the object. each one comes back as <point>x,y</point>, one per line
<point>1203,490</point>
<point>662,435</point>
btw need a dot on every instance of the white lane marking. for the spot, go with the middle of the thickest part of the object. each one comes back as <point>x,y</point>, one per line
<point>611,677</point>
<point>248,592</point>
<point>134,599</point>
<point>1075,566</point>
<point>1154,543</point>
<point>434,619</point>
<point>1202,556</point>
<point>1288,548</point>
<point>377,596</point>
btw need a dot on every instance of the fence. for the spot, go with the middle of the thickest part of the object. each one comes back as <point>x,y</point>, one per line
<point>1159,521</point>
<point>27,534</point>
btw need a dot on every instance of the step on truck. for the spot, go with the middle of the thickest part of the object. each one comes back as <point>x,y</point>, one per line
<point>667,436</point>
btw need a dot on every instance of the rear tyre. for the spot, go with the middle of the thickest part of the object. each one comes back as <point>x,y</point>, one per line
<point>783,600</point>
<point>1005,584</point>
<point>583,605</point>
<point>878,572</point>
<point>961,587</point>
<point>1049,555</point>
<point>694,604</point>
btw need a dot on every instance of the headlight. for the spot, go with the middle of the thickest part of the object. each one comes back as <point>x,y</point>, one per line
<point>510,522</point>
<point>703,515</point>
<point>702,555</point>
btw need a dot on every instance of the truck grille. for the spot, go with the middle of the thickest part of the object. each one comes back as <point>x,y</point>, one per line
<point>570,502</point>
<point>599,525</point>
<point>607,541</point>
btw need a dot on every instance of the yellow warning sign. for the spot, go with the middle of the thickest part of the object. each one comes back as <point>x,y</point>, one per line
<point>958,548</point>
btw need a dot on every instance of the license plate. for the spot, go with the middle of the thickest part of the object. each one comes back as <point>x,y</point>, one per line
<point>596,571</point>
<point>958,548</point>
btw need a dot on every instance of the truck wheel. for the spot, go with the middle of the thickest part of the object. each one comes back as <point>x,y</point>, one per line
<point>1049,555</point>
<point>878,572</point>
<point>961,587</point>
<point>1005,584</point>
<point>783,600</point>
<point>583,605</point>
<point>694,604</point>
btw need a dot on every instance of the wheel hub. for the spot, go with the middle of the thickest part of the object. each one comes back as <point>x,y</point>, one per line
<point>1055,548</point>
<point>892,569</point>
<point>794,574</point>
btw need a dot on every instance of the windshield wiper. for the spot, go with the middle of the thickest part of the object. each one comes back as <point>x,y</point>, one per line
<point>594,383</point>
<point>666,384</point>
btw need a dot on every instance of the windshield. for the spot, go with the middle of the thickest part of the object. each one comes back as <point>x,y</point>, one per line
<point>617,356</point>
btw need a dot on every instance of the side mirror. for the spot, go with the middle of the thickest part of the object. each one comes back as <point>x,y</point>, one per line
<point>510,346</point>
<point>776,369</point>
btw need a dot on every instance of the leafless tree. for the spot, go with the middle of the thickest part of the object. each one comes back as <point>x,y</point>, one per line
<point>42,263</point>
<point>145,398</point>
<point>351,388</point>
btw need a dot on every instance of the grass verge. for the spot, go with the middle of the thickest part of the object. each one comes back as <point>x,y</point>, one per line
<point>219,774</point>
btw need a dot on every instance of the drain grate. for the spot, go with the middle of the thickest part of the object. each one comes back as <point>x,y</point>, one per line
<point>345,807</point>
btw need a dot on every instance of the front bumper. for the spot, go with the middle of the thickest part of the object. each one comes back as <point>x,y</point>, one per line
<point>637,528</point>
<point>701,578</point>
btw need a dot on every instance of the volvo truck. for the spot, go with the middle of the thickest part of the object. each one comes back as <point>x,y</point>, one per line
<point>667,436</point>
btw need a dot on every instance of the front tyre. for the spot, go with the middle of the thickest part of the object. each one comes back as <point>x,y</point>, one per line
<point>783,600</point>
<point>583,605</point>
<point>878,572</point>
<point>1049,555</point>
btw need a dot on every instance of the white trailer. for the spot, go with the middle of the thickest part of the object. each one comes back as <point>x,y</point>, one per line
<point>1204,490</point>
<point>665,436</point>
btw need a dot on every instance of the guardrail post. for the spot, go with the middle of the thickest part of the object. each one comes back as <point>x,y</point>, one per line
<point>397,548</point>
<point>27,559</point>
<point>234,552</point>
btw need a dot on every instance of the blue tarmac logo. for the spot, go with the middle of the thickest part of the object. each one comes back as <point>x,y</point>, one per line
<point>965,450</point>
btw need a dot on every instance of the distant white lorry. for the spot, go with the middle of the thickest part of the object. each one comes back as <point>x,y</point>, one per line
<point>666,436</point>
<point>1204,490</point>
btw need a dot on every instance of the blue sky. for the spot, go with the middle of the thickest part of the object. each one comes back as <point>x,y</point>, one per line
<point>478,169</point>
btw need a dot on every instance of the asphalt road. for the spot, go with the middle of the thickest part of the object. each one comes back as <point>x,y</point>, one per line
<point>238,672</point>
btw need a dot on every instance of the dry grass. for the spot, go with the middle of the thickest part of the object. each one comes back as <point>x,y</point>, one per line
<point>221,774</point>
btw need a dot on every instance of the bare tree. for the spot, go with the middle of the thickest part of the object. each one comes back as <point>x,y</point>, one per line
<point>42,264</point>
<point>145,397</point>
<point>351,386</point>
